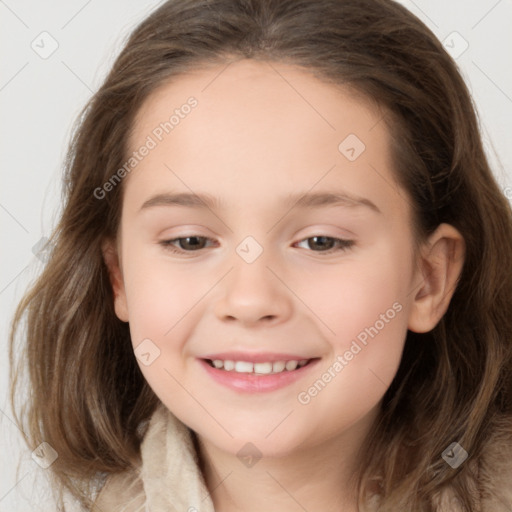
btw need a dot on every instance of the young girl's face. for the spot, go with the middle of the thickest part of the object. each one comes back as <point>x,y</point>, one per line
<point>276,271</point>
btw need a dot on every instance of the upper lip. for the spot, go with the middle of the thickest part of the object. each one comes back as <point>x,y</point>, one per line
<point>259,357</point>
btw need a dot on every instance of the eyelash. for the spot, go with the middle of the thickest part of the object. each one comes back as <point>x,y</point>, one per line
<point>343,245</point>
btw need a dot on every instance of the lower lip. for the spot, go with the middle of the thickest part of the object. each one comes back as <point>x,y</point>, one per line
<point>254,383</point>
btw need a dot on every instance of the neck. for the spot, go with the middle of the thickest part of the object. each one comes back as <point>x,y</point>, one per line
<point>319,477</point>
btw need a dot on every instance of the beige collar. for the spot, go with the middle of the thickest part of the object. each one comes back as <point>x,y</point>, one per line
<point>169,479</point>
<point>169,464</point>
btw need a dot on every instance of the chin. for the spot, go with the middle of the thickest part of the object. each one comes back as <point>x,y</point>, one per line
<point>249,442</point>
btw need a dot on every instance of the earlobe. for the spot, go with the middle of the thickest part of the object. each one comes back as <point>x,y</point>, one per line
<point>441,264</point>
<point>111,258</point>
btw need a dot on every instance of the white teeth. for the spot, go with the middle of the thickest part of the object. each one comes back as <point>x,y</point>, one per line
<point>259,368</point>
<point>291,365</point>
<point>264,368</point>
<point>279,366</point>
<point>243,367</point>
<point>229,365</point>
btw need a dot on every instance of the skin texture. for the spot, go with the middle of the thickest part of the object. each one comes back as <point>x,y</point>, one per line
<point>260,132</point>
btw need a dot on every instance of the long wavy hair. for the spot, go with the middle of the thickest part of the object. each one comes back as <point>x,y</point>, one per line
<point>88,398</point>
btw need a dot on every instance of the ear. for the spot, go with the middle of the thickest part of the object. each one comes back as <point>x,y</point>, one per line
<point>112,260</point>
<point>440,266</point>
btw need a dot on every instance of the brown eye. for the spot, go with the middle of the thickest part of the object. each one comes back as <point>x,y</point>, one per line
<point>323,243</point>
<point>186,243</point>
<point>326,244</point>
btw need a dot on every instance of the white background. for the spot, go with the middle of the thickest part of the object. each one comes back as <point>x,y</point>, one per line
<point>40,98</point>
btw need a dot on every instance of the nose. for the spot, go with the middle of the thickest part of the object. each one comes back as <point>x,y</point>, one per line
<point>252,295</point>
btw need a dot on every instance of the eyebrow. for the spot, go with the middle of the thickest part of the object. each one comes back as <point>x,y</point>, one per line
<point>303,200</point>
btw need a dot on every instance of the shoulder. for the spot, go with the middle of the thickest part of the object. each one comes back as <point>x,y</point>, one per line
<point>487,477</point>
<point>122,492</point>
<point>495,472</point>
<point>490,474</point>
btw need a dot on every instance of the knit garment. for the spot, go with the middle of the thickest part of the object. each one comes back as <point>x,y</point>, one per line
<point>170,480</point>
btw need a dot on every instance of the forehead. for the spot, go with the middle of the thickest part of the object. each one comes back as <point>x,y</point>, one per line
<point>258,129</point>
<point>265,93</point>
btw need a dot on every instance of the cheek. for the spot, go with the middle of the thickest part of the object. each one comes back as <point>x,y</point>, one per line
<point>164,300</point>
<point>360,293</point>
<point>363,310</point>
<point>370,325</point>
<point>160,302</point>
<point>159,292</point>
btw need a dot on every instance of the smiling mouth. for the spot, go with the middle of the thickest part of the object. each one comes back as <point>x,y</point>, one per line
<point>263,368</point>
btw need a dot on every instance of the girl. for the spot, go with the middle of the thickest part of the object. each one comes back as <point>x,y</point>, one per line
<point>282,277</point>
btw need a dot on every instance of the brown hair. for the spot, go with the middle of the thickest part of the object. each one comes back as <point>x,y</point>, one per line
<point>88,397</point>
